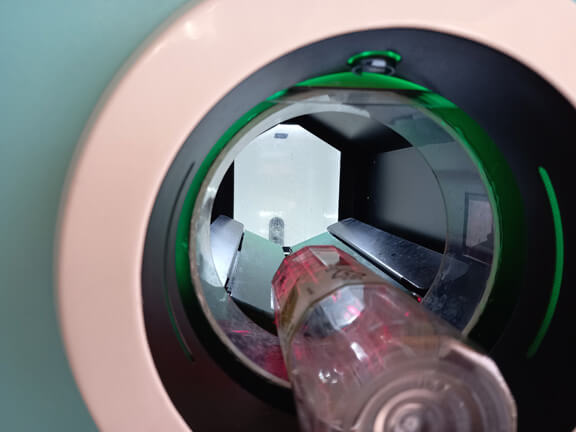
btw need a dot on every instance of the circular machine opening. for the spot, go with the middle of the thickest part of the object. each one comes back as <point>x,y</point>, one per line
<point>387,174</point>
<point>518,111</point>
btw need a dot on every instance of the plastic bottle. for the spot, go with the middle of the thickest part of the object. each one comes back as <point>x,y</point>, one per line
<point>363,355</point>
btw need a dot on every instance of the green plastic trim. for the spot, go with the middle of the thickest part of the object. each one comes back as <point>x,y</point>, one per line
<point>366,80</point>
<point>559,265</point>
<point>366,54</point>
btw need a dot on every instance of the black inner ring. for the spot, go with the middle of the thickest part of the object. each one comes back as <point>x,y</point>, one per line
<point>525,116</point>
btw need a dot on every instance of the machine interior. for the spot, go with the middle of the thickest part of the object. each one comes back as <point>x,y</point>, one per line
<point>375,173</point>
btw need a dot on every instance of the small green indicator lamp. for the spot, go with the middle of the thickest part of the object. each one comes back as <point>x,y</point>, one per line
<point>383,62</point>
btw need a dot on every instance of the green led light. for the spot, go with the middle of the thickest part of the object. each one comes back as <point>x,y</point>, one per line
<point>366,80</point>
<point>559,266</point>
<point>382,54</point>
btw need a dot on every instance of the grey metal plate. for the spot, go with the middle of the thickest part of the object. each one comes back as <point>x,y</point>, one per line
<point>251,278</point>
<point>409,263</point>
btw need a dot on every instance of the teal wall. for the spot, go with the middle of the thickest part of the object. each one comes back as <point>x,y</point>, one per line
<point>56,58</point>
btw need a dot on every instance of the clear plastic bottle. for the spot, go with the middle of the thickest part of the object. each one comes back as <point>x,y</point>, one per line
<point>364,356</point>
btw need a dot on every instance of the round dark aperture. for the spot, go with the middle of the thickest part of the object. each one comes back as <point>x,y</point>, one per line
<point>354,193</point>
<point>526,118</point>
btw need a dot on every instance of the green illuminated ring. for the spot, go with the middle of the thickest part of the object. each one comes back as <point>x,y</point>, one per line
<point>503,192</point>
<point>559,264</point>
<point>388,54</point>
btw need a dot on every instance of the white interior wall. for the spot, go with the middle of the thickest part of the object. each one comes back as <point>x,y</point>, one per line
<point>289,173</point>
